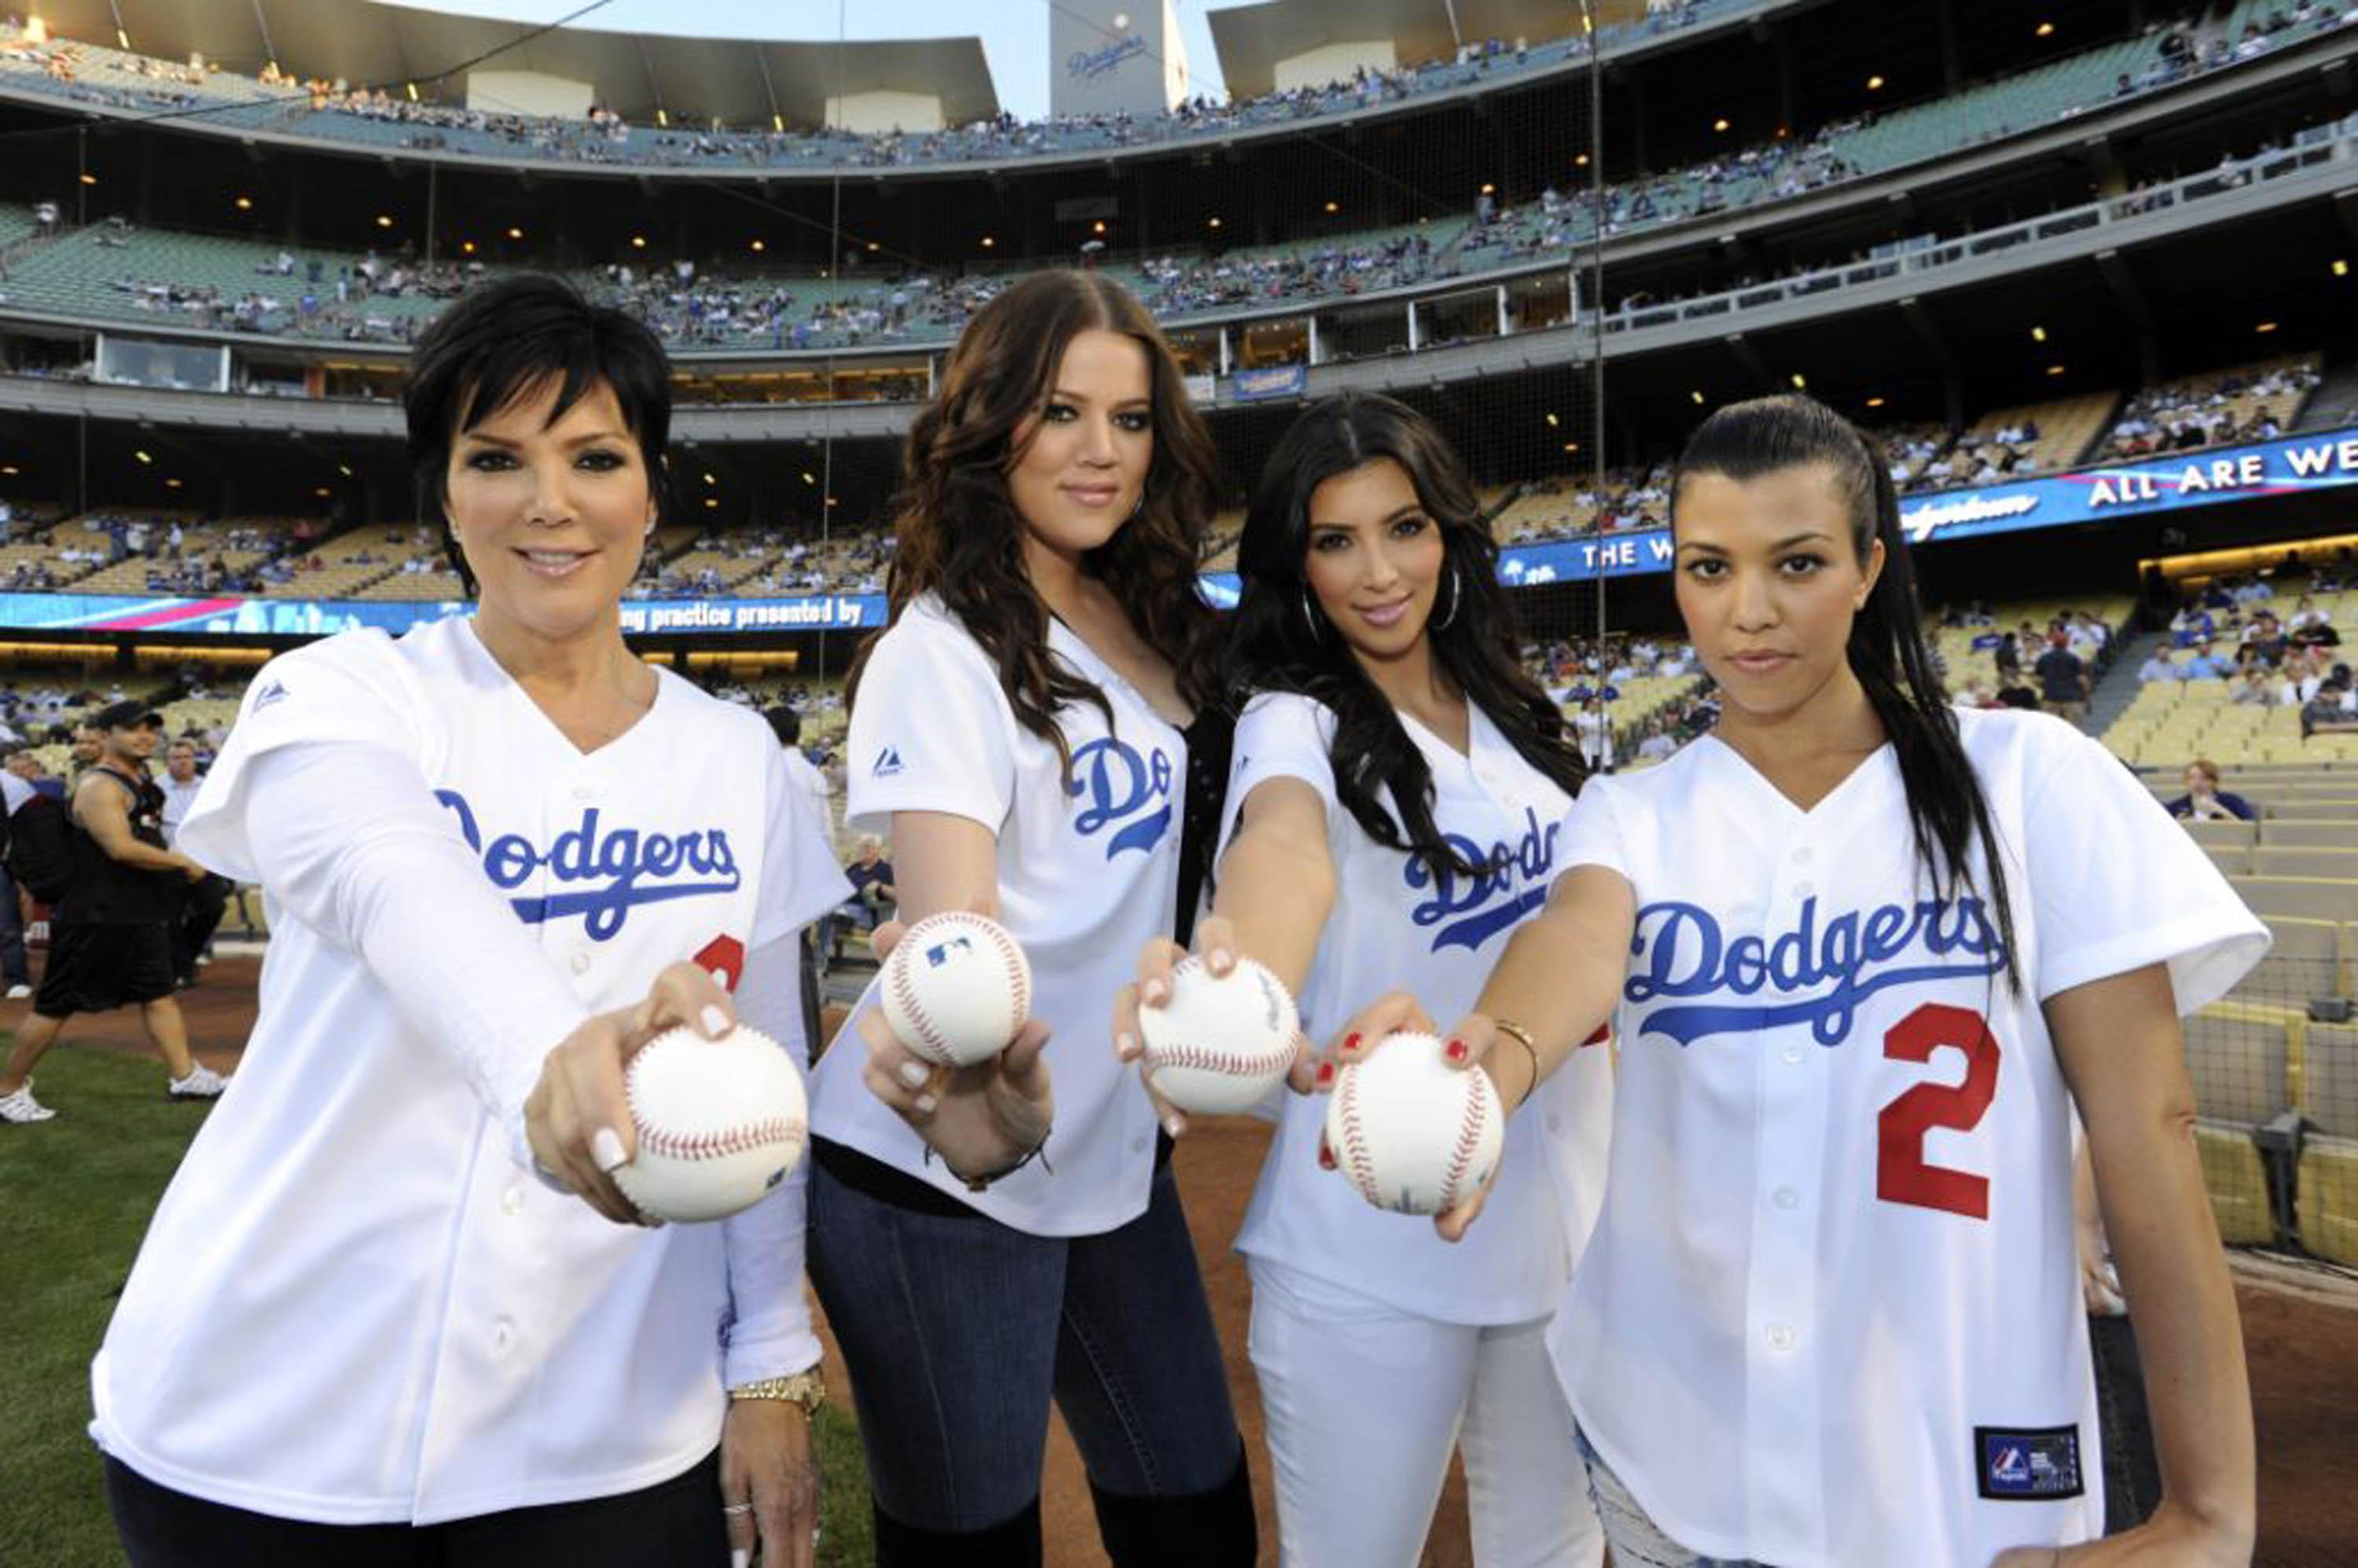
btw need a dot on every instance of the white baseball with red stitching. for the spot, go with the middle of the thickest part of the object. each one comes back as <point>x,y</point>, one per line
<point>719,1123</point>
<point>1220,1046</point>
<point>957,988</point>
<point>1410,1132</point>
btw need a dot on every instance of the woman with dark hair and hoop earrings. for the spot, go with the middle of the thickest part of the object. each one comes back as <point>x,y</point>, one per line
<point>1022,731</point>
<point>1868,953</point>
<point>1391,815</point>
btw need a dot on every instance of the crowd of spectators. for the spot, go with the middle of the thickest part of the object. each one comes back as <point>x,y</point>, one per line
<point>2213,411</point>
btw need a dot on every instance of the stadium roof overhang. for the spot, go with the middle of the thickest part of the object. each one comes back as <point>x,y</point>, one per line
<point>741,81</point>
<point>1251,39</point>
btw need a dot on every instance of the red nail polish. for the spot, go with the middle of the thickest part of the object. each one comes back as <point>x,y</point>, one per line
<point>1350,1043</point>
<point>1325,1156</point>
<point>1326,1073</point>
<point>1454,1050</point>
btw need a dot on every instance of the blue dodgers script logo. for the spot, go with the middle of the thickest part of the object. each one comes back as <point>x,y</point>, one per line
<point>1119,784</point>
<point>1478,907</point>
<point>1682,954</point>
<point>620,863</point>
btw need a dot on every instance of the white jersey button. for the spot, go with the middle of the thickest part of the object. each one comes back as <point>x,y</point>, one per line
<point>583,792</point>
<point>1137,1145</point>
<point>1791,1053</point>
<point>1802,856</point>
<point>503,1338</point>
<point>1785,1197</point>
<point>580,963</point>
<point>1781,1336</point>
<point>512,1200</point>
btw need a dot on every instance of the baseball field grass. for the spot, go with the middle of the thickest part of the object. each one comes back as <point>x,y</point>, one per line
<point>77,1193</point>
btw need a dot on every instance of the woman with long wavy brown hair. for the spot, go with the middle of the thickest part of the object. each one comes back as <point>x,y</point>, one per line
<point>1021,728</point>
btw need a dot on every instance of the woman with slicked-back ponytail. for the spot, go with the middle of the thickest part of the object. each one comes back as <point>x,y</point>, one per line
<point>1869,957</point>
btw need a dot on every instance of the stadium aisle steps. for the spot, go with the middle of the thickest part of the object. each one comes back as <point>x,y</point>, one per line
<point>2117,686</point>
<point>2333,405</point>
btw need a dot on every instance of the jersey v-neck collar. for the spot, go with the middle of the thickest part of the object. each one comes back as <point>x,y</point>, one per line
<point>1872,766</point>
<point>539,716</point>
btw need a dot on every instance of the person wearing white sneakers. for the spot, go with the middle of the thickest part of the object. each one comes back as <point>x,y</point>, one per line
<point>109,942</point>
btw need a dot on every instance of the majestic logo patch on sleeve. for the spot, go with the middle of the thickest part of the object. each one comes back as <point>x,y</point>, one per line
<point>273,690</point>
<point>2028,1465</point>
<point>887,763</point>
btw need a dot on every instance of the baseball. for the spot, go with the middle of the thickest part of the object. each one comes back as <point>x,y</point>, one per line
<point>957,988</point>
<point>1218,1046</point>
<point>719,1123</point>
<point>1412,1133</point>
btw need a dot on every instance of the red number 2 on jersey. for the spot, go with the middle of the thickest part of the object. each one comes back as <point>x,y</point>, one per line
<point>1901,1173</point>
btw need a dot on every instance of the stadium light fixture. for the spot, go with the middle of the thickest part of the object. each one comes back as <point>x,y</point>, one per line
<point>244,204</point>
<point>808,478</point>
<point>1097,227</point>
<point>1212,224</point>
<point>1720,125</point>
<point>758,245</point>
<point>2341,268</point>
<point>171,484</point>
<point>1488,189</point>
<point>1876,402</point>
<point>89,180</point>
<point>778,124</point>
<point>711,501</point>
<point>143,457</point>
<point>872,247</point>
<point>2266,327</point>
<point>385,220</point>
<point>987,242</point>
<point>2044,30</point>
<point>1552,421</point>
<point>1571,445</point>
<point>2038,334</point>
<point>638,242</point>
<point>323,492</point>
<point>2054,370</point>
<point>663,119</point>
<point>1580,161</point>
<point>1874,84</point>
<point>1800,381</point>
<point>466,247</point>
<point>1334,207</point>
<point>1696,396</point>
<point>9,470</point>
<point>711,479</point>
<point>413,90</point>
<point>345,469</point>
<point>515,232</point>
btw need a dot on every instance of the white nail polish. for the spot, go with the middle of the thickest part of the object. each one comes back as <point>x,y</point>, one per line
<point>1174,1126</point>
<point>716,1023</point>
<point>606,1149</point>
<point>1125,1045</point>
<point>739,1556</point>
<point>914,1075</point>
<point>1221,958</point>
<point>720,979</point>
<point>925,1104</point>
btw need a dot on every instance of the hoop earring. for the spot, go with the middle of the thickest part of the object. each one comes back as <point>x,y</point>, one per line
<point>1310,613</point>
<point>1456,593</point>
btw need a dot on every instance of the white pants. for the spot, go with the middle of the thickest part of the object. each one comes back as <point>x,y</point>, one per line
<point>1363,1403</point>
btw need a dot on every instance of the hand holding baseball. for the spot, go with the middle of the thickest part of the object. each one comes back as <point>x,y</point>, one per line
<point>1399,1013</point>
<point>577,1116</point>
<point>1215,953</point>
<point>979,1118</point>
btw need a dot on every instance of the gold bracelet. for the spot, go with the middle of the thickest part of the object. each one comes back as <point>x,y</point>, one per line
<point>805,1388</point>
<point>1521,1036</point>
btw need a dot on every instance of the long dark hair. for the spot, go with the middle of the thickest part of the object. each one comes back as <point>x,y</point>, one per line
<point>958,535</point>
<point>1280,641</point>
<point>1946,808</point>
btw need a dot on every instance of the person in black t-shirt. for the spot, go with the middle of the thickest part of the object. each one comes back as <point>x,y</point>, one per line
<point>110,934</point>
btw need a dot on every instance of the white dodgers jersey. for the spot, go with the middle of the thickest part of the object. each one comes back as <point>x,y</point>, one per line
<point>1089,872</point>
<point>1830,1315</point>
<point>1401,925</point>
<point>353,1305</point>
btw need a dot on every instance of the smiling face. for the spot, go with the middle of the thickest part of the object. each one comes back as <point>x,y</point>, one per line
<point>1081,461</point>
<point>1770,581</point>
<point>1375,559</point>
<point>131,743</point>
<point>552,517</point>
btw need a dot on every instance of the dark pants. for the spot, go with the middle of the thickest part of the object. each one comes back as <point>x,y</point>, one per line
<point>674,1524</point>
<point>960,1330</point>
<point>200,916</point>
<point>2132,1471</point>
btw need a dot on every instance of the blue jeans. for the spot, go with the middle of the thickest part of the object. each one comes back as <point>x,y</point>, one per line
<point>1636,1541</point>
<point>958,1331</point>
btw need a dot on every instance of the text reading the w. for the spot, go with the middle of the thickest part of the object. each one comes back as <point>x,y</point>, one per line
<point>1902,1174</point>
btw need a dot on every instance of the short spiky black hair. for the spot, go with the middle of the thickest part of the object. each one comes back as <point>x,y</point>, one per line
<point>500,343</point>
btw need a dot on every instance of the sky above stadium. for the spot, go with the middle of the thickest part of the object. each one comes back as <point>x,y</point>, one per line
<point>1014,32</point>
